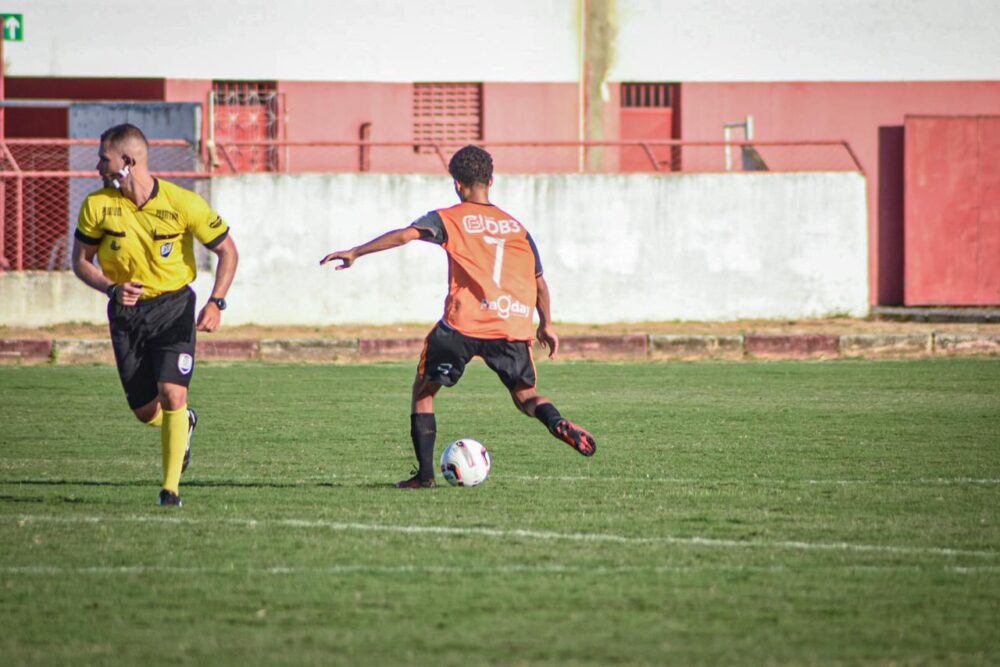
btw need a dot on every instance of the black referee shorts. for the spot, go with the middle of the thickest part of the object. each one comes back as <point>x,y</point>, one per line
<point>446,352</point>
<point>154,341</point>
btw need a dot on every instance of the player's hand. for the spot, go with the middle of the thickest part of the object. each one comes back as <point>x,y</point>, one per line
<point>548,339</point>
<point>345,256</point>
<point>209,318</point>
<point>128,293</point>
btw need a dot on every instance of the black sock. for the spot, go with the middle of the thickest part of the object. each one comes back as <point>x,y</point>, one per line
<point>548,415</point>
<point>423,431</point>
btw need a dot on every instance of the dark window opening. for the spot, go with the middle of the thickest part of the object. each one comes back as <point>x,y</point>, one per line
<point>447,113</point>
<point>646,95</point>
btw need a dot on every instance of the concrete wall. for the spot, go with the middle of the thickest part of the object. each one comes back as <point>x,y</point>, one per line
<point>862,114</point>
<point>615,248</point>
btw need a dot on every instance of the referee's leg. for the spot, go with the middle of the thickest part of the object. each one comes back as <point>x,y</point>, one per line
<point>173,401</point>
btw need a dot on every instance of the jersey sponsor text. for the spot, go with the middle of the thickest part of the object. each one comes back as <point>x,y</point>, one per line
<point>506,306</point>
<point>478,223</point>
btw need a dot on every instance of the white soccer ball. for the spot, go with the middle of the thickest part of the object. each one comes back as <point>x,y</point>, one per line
<point>465,462</point>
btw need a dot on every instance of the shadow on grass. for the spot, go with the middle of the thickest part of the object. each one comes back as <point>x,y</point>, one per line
<point>203,484</point>
<point>23,499</point>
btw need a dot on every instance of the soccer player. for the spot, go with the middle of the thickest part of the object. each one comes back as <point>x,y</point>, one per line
<point>495,285</point>
<point>142,230</point>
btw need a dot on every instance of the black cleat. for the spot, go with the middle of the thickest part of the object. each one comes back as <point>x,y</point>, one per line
<point>416,483</point>
<point>169,499</point>
<point>576,437</point>
<point>192,423</point>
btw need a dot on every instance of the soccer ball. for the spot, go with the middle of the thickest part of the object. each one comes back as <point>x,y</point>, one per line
<point>465,462</point>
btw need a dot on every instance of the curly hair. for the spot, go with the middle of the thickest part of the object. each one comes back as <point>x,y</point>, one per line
<point>471,165</point>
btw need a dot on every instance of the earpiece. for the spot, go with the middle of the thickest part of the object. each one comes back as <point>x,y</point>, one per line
<point>117,182</point>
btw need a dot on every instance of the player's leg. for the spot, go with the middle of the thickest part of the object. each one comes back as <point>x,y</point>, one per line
<point>150,414</point>
<point>172,349</point>
<point>135,366</point>
<point>532,404</point>
<point>173,438</point>
<point>513,363</point>
<point>423,432</point>
<point>442,362</point>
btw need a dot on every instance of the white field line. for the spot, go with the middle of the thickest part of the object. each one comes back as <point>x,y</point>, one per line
<point>613,479</point>
<point>523,534</point>
<point>603,479</point>
<point>938,481</point>
<point>351,569</point>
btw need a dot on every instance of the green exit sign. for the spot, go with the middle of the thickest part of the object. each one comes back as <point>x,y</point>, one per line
<point>13,27</point>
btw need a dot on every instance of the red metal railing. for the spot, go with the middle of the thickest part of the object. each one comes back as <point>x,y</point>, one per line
<point>665,156</point>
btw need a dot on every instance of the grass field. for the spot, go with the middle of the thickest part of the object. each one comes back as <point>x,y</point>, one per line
<point>735,513</point>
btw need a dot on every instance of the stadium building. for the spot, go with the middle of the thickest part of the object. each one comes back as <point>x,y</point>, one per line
<point>905,94</point>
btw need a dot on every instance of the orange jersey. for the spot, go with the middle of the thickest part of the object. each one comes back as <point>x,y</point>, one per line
<point>492,265</point>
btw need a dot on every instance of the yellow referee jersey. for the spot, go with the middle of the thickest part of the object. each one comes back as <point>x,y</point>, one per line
<point>152,244</point>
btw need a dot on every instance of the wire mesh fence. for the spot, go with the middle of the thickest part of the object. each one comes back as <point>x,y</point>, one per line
<point>43,184</point>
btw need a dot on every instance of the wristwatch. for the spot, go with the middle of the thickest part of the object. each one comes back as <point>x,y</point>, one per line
<point>218,301</point>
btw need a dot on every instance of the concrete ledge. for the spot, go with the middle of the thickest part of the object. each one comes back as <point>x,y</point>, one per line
<point>957,343</point>
<point>632,347</point>
<point>309,349</point>
<point>25,351</point>
<point>792,347</point>
<point>600,347</point>
<point>886,345</point>
<point>936,314</point>
<point>670,346</point>
<point>390,348</point>
<point>215,350</point>
<point>83,351</point>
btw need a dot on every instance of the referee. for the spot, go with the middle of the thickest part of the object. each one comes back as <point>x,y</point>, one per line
<point>142,231</point>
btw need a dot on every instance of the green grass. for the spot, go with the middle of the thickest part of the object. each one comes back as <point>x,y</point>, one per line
<point>735,513</point>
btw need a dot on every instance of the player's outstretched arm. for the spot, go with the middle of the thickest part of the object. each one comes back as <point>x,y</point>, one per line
<point>393,239</point>
<point>546,336</point>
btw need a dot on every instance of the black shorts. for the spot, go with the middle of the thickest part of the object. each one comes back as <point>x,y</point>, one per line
<point>154,342</point>
<point>446,352</point>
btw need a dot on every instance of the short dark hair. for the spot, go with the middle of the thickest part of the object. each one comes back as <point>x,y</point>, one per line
<point>471,165</point>
<point>119,134</point>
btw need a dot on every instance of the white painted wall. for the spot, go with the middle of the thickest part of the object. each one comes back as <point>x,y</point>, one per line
<point>807,40</point>
<point>515,40</point>
<point>615,249</point>
<point>321,40</point>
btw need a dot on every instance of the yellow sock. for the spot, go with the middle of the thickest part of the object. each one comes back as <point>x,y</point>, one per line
<point>174,434</point>
<point>157,420</point>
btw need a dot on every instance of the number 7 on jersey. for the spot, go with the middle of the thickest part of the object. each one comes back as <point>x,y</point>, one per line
<point>498,260</point>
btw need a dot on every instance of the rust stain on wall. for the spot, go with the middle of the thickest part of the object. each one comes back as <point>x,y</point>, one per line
<point>600,38</point>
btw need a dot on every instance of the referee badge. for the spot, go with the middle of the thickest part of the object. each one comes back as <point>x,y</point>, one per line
<point>166,248</point>
<point>185,363</point>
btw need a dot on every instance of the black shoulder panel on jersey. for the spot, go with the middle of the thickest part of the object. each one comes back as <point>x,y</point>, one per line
<point>214,243</point>
<point>431,228</point>
<point>83,238</point>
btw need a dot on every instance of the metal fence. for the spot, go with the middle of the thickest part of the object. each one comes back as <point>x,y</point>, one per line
<point>43,182</point>
<point>592,157</point>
